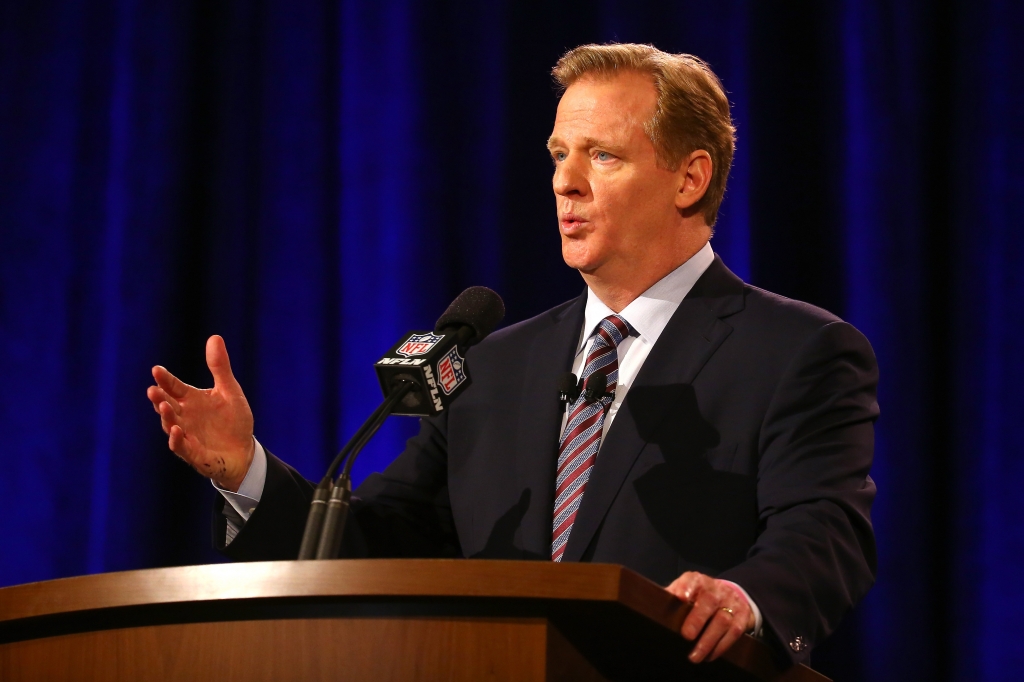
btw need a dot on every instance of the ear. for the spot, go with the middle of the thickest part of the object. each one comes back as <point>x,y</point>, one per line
<point>694,178</point>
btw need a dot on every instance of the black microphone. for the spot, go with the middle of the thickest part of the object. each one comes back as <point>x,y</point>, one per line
<point>568,389</point>
<point>597,387</point>
<point>478,308</point>
<point>434,361</point>
<point>420,376</point>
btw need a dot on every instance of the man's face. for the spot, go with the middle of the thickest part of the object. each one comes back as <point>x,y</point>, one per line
<point>614,203</point>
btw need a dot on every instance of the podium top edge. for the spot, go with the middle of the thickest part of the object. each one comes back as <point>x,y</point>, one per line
<point>337,578</point>
<point>370,579</point>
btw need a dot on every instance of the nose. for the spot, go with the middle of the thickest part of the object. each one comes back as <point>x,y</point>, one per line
<point>570,178</point>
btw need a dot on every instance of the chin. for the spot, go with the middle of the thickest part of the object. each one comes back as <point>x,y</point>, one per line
<point>579,256</point>
<point>577,261</point>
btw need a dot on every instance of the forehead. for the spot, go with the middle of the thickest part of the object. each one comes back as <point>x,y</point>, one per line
<point>605,107</point>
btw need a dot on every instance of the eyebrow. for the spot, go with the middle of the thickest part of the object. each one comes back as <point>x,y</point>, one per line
<point>588,142</point>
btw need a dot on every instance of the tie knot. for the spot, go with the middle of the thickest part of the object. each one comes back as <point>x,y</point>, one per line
<point>614,329</point>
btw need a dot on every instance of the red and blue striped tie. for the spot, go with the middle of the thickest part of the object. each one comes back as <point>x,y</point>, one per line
<point>577,449</point>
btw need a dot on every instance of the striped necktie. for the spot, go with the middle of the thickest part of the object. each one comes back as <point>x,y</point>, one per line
<point>577,449</point>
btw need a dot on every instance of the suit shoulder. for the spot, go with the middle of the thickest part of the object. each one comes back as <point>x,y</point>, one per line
<point>524,329</point>
<point>786,322</point>
<point>776,312</point>
<point>751,307</point>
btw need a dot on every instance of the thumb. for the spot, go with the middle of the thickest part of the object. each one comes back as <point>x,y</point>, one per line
<point>219,363</point>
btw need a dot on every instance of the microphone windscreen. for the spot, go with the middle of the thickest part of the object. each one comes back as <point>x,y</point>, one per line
<point>476,307</point>
<point>597,384</point>
<point>567,383</point>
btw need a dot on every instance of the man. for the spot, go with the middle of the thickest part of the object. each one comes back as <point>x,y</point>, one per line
<point>731,463</point>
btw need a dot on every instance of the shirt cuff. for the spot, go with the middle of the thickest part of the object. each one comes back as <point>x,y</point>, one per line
<point>249,493</point>
<point>758,623</point>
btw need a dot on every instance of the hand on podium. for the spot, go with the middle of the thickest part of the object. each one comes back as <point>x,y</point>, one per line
<point>210,428</point>
<point>720,611</point>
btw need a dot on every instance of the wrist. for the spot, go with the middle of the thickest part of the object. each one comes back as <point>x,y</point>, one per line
<point>233,483</point>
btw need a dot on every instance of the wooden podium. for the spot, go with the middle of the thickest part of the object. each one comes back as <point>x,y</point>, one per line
<point>361,620</point>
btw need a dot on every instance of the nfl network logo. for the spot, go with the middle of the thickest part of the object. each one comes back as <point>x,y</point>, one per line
<point>450,372</point>
<point>418,344</point>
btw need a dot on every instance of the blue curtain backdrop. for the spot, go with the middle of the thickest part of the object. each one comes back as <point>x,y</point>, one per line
<point>312,179</point>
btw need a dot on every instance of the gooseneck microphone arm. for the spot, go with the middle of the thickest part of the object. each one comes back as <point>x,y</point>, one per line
<point>317,519</point>
<point>420,376</point>
<point>338,504</point>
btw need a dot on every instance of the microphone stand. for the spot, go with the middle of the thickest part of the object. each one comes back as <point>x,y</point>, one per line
<point>325,523</point>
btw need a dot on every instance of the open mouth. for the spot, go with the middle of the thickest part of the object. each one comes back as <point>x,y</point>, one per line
<point>571,222</point>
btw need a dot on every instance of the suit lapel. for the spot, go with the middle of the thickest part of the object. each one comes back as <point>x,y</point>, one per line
<point>551,354</point>
<point>689,340</point>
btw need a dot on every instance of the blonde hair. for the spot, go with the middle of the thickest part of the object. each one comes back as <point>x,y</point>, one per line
<point>692,111</point>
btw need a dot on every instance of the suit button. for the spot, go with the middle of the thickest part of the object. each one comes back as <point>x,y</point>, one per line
<point>798,644</point>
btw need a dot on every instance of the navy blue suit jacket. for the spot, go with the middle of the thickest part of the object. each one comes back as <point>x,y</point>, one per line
<point>742,450</point>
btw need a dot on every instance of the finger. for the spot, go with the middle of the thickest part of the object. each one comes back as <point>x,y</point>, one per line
<point>704,607</point>
<point>155,397</point>
<point>167,417</point>
<point>732,634</point>
<point>717,628</point>
<point>178,444</point>
<point>685,585</point>
<point>170,383</point>
<point>742,604</point>
<point>158,395</point>
<point>219,363</point>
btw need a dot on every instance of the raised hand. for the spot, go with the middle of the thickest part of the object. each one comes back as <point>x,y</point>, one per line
<point>210,428</point>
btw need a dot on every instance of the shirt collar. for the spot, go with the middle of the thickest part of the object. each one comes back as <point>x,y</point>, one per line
<point>650,312</point>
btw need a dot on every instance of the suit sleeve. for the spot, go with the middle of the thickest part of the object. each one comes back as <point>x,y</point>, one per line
<point>815,556</point>
<point>274,530</point>
<point>405,511</point>
<point>401,512</point>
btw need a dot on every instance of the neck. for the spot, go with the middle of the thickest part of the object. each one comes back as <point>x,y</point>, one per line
<point>620,283</point>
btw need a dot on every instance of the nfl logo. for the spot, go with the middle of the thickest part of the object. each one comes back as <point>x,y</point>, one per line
<point>450,372</point>
<point>418,344</point>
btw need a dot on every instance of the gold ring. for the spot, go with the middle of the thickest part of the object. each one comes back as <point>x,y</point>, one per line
<point>727,610</point>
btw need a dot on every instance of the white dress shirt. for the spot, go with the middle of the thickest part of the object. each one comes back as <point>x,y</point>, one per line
<point>648,314</point>
<point>243,503</point>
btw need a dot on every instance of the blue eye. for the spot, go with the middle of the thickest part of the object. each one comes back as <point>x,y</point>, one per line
<point>604,156</point>
<point>558,156</point>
